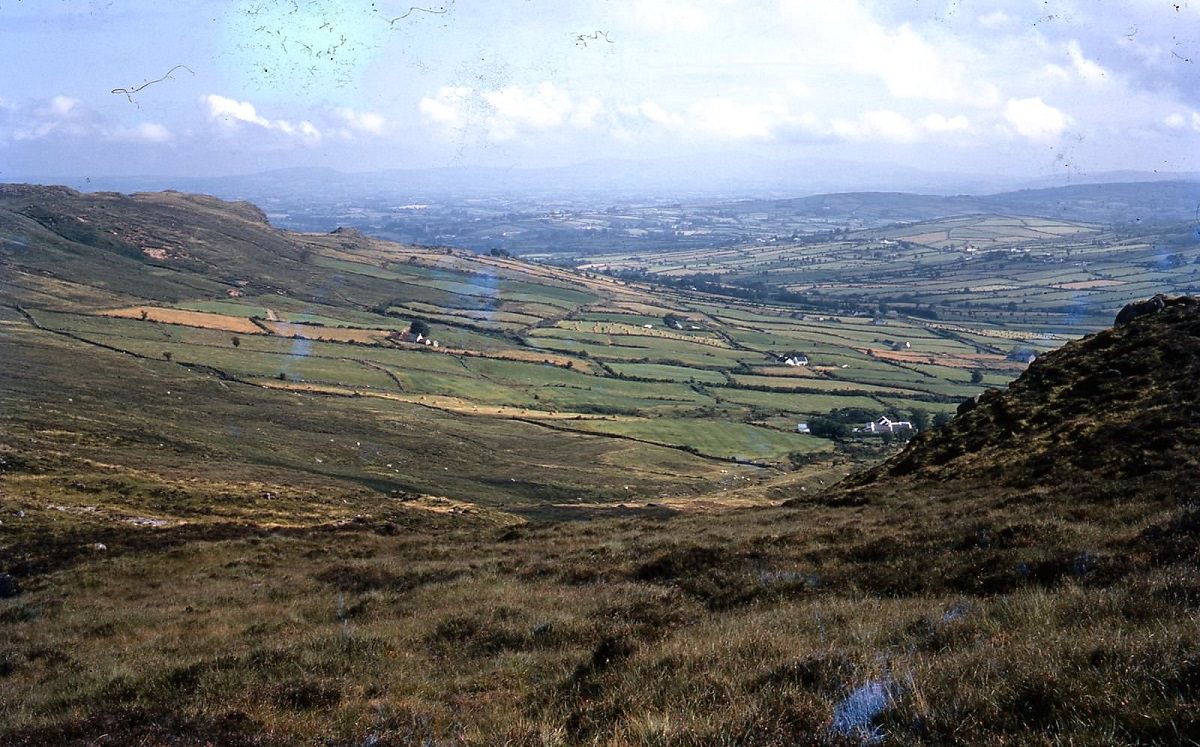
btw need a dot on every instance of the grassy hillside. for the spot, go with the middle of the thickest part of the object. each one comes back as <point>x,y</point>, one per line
<point>211,288</point>
<point>251,515</point>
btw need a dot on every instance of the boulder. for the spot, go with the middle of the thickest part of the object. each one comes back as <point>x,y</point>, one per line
<point>1133,310</point>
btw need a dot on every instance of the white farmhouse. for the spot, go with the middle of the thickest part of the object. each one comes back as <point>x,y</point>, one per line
<point>885,425</point>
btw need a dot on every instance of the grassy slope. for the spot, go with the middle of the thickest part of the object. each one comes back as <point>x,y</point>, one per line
<point>247,593</point>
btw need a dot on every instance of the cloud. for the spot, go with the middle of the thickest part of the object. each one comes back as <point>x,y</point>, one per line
<point>775,120</point>
<point>230,114</point>
<point>939,123</point>
<point>996,19</point>
<point>448,108</point>
<point>507,113</point>
<point>513,110</point>
<point>230,110</point>
<point>1034,119</point>
<point>912,63</point>
<point>65,116</point>
<point>146,132</point>
<point>1088,70</point>
<point>365,122</point>
<point>1178,121</point>
<point>892,127</point>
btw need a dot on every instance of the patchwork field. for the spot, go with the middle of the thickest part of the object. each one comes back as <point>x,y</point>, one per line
<point>1022,272</point>
<point>510,340</point>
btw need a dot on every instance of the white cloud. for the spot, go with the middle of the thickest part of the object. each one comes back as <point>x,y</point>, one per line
<point>448,108</point>
<point>733,120</point>
<point>846,37</point>
<point>995,20</point>
<point>231,110</point>
<point>230,113</point>
<point>1088,70</point>
<point>883,125</point>
<point>513,110</point>
<point>1055,73</point>
<point>356,121</point>
<point>64,116</point>
<point>585,114</point>
<point>937,123</point>
<point>1175,121</point>
<point>146,132</point>
<point>509,112</point>
<point>658,115</point>
<point>62,106</point>
<point>1034,119</point>
<point>773,119</point>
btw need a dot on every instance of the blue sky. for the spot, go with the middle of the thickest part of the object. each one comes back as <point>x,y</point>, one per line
<point>1020,87</point>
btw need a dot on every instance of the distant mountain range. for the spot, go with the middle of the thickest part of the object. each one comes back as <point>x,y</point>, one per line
<point>663,180</point>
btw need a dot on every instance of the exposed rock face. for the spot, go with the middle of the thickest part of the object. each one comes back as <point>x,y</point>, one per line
<point>1133,310</point>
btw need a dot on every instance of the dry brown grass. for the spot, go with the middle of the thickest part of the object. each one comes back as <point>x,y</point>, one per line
<point>200,319</point>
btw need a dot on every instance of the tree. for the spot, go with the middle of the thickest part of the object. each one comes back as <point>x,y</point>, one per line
<point>237,341</point>
<point>976,376</point>
<point>828,428</point>
<point>418,327</point>
<point>941,419</point>
<point>919,418</point>
<point>167,356</point>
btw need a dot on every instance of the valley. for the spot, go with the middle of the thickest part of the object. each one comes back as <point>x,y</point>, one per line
<point>264,487</point>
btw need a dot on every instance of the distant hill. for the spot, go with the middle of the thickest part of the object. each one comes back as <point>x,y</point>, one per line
<point>1114,203</point>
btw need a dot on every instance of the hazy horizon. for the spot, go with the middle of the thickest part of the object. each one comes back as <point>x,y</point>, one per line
<point>951,90</point>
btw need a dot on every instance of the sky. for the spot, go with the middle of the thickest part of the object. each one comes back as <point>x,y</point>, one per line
<point>214,87</point>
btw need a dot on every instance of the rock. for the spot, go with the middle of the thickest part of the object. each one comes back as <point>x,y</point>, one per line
<point>1133,310</point>
<point>8,586</point>
<point>967,405</point>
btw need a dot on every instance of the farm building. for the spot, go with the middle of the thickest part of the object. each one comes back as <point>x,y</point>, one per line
<point>795,360</point>
<point>885,425</point>
<point>802,428</point>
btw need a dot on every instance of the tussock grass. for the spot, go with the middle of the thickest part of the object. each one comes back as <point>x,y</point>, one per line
<point>684,631</point>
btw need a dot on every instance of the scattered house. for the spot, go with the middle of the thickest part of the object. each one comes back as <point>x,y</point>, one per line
<point>1023,354</point>
<point>884,425</point>
<point>802,428</point>
<point>409,337</point>
<point>796,360</point>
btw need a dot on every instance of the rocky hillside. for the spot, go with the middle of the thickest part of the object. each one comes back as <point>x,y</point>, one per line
<point>1085,466</point>
<point>1116,411</point>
